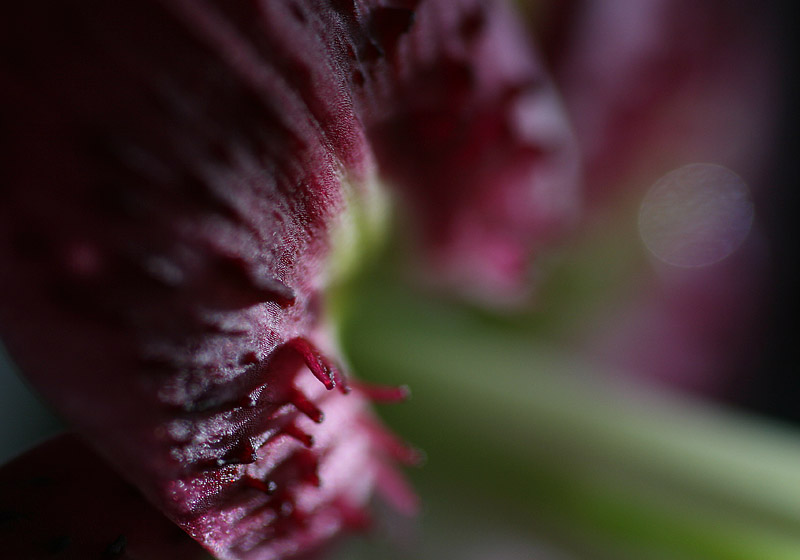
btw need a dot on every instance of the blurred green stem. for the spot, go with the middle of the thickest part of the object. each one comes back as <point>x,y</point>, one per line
<point>619,472</point>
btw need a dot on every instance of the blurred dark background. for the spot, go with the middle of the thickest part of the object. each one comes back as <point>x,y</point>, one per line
<point>775,389</point>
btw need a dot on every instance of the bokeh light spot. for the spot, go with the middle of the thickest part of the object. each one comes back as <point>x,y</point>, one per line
<point>696,215</point>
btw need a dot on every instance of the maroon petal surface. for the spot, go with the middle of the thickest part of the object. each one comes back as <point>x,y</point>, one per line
<point>173,173</point>
<point>62,501</point>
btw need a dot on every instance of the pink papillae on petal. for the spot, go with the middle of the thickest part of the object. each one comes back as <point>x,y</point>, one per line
<point>168,197</point>
<point>171,176</point>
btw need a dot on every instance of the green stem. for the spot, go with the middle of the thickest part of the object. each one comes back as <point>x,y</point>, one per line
<point>627,473</point>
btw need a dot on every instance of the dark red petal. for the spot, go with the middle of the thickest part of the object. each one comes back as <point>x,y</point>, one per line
<point>175,172</point>
<point>62,501</point>
<point>172,175</point>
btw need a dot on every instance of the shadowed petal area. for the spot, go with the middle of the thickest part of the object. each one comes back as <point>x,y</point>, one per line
<point>61,500</point>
